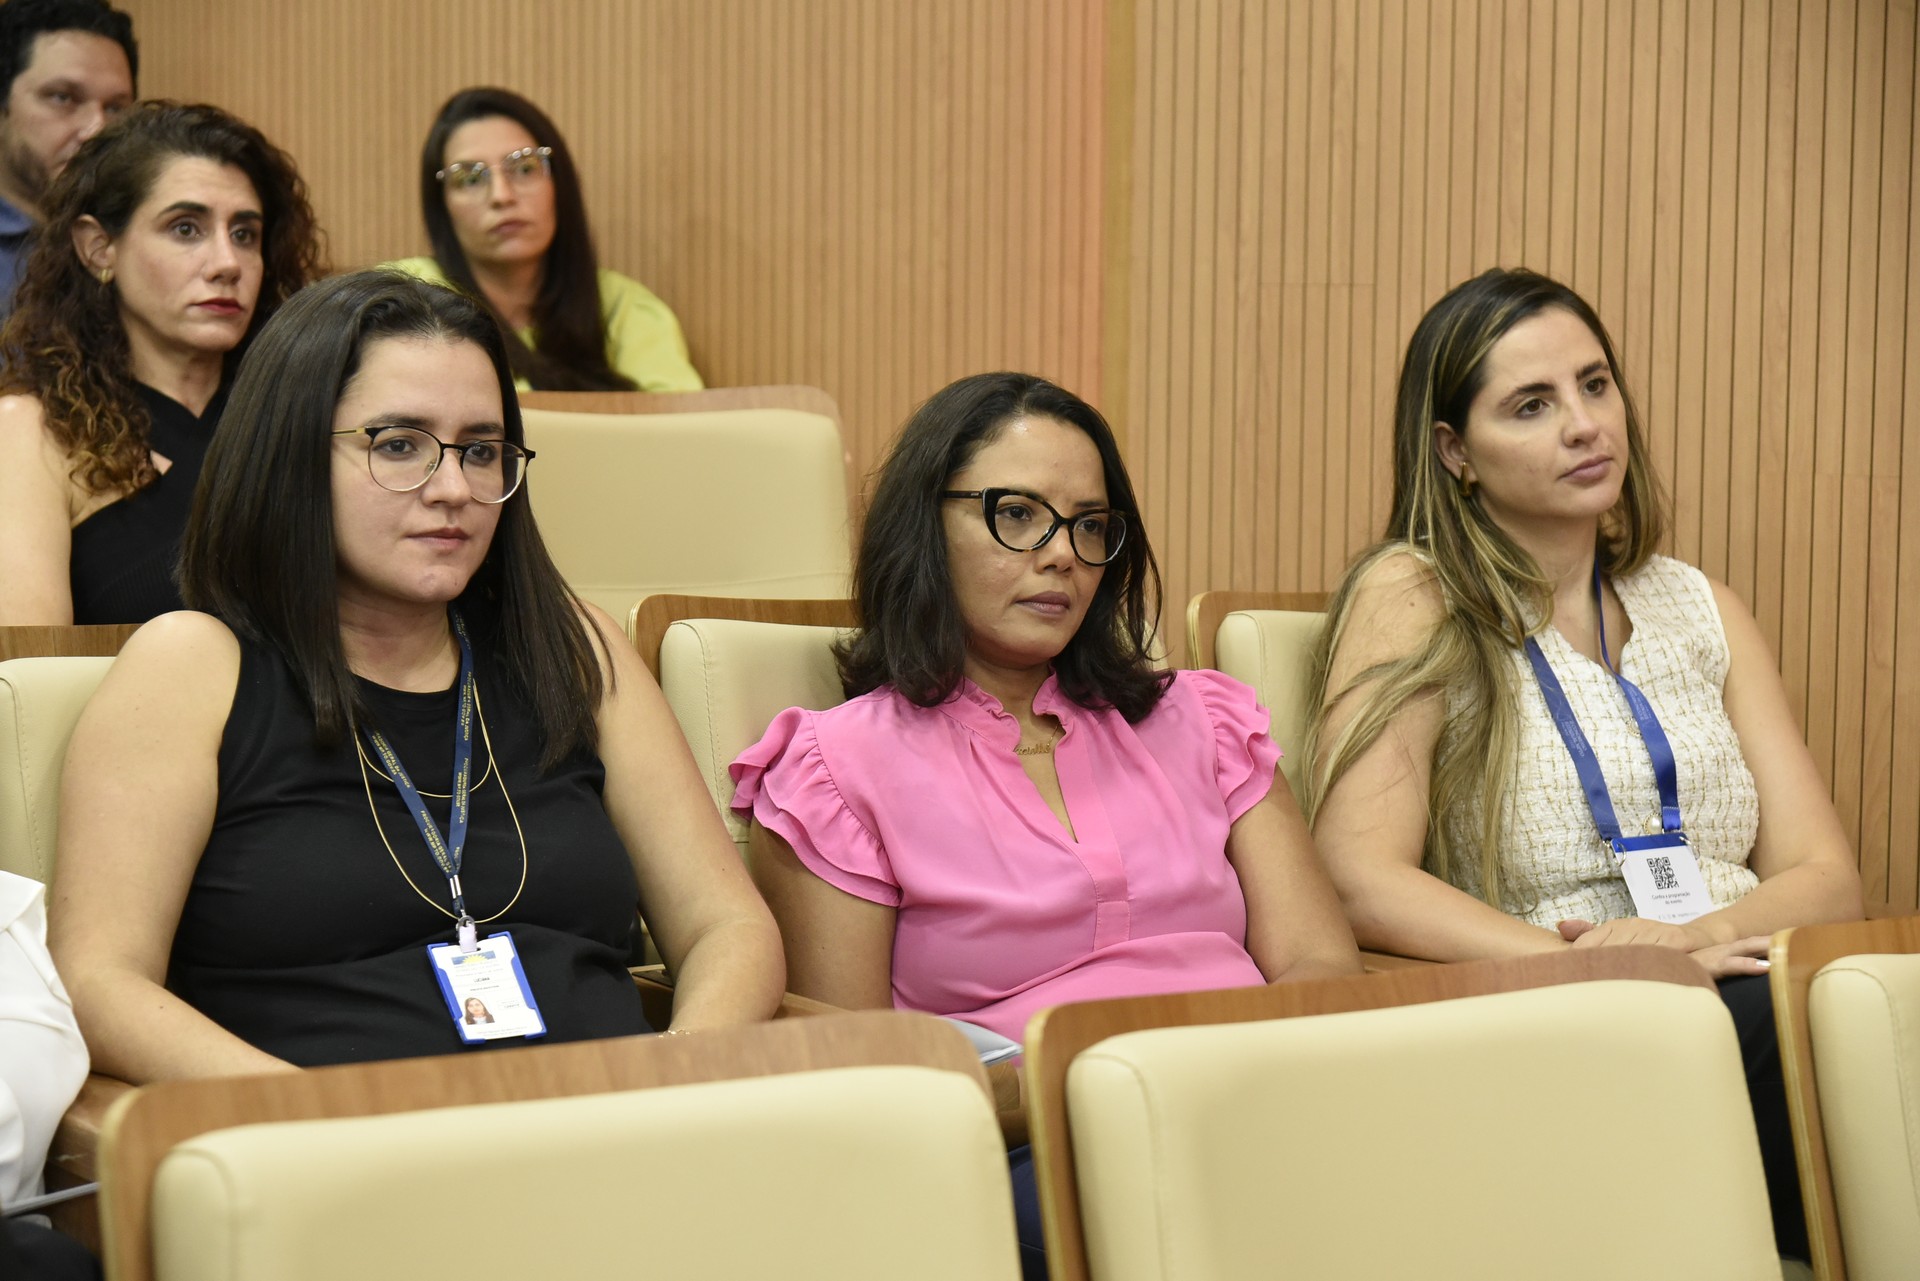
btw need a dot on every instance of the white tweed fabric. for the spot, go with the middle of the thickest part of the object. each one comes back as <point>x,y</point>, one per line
<point>1553,862</point>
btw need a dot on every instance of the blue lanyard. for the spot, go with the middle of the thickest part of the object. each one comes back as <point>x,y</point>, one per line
<point>1666,774</point>
<point>447,851</point>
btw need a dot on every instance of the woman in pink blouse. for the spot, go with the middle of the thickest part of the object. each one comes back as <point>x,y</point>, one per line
<point>1015,808</point>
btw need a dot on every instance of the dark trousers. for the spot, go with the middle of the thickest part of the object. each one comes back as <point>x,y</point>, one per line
<point>1750,1001</point>
<point>1026,1215</point>
<point>36,1253</point>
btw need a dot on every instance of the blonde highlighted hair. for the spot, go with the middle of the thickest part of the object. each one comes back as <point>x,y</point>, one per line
<point>1493,594</point>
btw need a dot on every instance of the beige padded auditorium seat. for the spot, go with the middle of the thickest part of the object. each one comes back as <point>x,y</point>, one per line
<point>1272,651</point>
<point>1846,999</point>
<point>850,1145</point>
<point>737,502</point>
<point>843,1175</point>
<point>1864,1016</point>
<point>727,680</point>
<point>1516,1135</point>
<point>40,699</point>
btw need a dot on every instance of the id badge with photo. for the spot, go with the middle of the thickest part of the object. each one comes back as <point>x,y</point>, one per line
<point>1663,877</point>
<point>486,990</point>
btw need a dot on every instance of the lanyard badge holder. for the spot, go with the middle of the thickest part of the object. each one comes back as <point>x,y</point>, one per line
<point>1661,872</point>
<point>486,989</point>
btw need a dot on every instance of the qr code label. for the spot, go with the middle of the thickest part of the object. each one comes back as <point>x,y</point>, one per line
<point>1662,868</point>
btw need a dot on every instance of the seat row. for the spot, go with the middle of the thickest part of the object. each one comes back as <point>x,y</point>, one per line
<point>1400,1124</point>
<point>1849,1036</point>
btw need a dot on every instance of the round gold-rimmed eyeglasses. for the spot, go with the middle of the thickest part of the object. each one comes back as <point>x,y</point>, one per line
<point>404,458</point>
<point>473,179</point>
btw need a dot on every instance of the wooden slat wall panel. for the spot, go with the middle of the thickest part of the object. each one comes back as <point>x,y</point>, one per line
<point>868,196</point>
<point>1227,236</point>
<point>1730,183</point>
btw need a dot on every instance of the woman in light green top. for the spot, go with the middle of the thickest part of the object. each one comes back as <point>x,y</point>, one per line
<point>505,216</point>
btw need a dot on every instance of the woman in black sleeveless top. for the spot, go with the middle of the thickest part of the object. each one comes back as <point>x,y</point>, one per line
<point>171,237</point>
<point>244,883</point>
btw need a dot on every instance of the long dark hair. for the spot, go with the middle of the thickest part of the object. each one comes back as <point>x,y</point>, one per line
<point>259,551</point>
<point>64,342</point>
<point>912,636</point>
<point>572,355</point>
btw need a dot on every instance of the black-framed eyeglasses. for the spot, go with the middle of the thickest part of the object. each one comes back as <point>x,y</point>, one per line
<point>1013,518</point>
<point>404,458</point>
<point>470,179</point>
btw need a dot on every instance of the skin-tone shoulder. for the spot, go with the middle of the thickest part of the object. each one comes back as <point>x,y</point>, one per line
<point>1020,608</point>
<point>1372,827</point>
<point>36,519</point>
<point>136,807</point>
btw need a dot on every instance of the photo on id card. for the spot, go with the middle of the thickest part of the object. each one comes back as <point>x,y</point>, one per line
<point>486,991</point>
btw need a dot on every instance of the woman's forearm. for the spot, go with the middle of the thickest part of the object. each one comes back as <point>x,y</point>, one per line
<point>734,973</point>
<point>140,1032</point>
<point>1809,894</point>
<point>1410,912</point>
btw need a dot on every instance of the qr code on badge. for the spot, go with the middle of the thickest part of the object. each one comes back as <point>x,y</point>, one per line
<point>1662,868</point>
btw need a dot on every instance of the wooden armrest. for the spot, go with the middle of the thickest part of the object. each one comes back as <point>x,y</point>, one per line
<point>1381,962</point>
<point>656,998</point>
<point>794,1006</point>
<point>1009,1100</point>
<point>77,1139</point>
<point>71,1159</point>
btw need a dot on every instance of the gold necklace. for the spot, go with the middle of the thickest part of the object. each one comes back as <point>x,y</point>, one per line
<point>485,774</point>
<point>367,783</point>
<point>1037,749</point>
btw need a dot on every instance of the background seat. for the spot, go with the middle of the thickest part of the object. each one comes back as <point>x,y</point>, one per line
<point>726,679</point>
<point>40,699</point>
<point>99,640</point>
<point>1206,610</point>
<point>1846,999</point>
<point>1272,650</point>
<point>710,499</point>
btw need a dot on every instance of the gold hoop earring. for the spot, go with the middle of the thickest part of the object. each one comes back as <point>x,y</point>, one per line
<point>1466,485</point>
<point>106,275</point>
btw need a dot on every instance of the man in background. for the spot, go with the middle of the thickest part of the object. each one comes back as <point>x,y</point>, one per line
<point>68,67</point>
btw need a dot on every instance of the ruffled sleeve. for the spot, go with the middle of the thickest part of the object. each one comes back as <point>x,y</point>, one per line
<point>1244,752</point>
<point>783,782</point>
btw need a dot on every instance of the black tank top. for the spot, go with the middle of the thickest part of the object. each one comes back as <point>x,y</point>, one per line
<point>120,569</point>
<point>300,934</point>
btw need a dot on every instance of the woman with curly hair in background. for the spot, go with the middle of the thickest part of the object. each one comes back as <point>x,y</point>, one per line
<point>171,238</point>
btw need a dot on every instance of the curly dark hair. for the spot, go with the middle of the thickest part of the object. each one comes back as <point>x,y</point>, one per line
<point>572,355</point>
<point>64,342</point>
<point>912,636</point>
